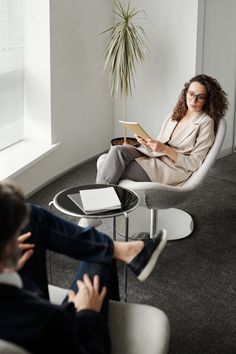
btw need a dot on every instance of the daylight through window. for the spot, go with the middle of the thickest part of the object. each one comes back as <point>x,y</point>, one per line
<point>11,71</point>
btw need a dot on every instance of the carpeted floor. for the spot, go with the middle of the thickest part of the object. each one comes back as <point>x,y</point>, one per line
<point>194,282</point>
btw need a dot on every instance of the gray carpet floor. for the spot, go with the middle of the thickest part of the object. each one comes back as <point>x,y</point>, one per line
<point>194,281</point>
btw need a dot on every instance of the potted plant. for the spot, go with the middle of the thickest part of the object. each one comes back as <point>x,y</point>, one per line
<point>127,46</point>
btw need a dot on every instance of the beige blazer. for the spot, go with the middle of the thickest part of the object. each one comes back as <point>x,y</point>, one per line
<point>192,143</point>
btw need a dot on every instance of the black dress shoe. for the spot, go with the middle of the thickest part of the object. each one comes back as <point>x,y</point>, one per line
<point>143,264</point>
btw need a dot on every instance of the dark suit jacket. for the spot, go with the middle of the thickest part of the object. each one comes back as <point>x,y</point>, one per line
<point>42,327</point>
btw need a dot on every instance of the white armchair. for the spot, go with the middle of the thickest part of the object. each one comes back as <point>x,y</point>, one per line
<point>158,200</point>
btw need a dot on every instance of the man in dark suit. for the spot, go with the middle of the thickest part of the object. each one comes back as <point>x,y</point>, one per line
<point>79,325</point>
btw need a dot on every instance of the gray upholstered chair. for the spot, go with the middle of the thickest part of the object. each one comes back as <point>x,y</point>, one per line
<point>11,348</point>
<point>134,328</point>
<point>158,200</point>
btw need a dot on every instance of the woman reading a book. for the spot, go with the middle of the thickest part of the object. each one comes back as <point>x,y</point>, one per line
<point>185,138</point>
<point>183,143</point>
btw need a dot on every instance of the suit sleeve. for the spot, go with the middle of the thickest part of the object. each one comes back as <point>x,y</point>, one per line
<point>83,332</point>
<point>192,160</point>
<point>93,332</point>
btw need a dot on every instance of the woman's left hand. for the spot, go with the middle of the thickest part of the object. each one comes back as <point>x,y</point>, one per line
<point>156,145</point>
<point>166,150</point>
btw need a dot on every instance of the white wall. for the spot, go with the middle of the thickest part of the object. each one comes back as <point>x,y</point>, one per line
<point>219,54</point>
<point>172,32</point>
<point>81,107</point>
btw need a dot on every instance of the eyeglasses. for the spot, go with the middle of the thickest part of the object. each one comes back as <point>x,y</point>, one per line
<point>199,98</point>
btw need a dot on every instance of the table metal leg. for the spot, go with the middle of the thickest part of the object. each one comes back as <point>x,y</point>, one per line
<point>114,228</point>
<point>50,255</point>
<point>125,270</point>
<point>153,223</point>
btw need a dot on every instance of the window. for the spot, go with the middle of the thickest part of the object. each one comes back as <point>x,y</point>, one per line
<point>11,71</point>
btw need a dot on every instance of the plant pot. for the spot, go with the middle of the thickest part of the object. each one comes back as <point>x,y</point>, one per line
<point>120,141</point>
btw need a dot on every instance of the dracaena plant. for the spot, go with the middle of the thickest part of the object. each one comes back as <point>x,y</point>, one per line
<point>127,46</point>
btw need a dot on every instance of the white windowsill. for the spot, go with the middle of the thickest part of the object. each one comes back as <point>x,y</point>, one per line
<point>20,156</point>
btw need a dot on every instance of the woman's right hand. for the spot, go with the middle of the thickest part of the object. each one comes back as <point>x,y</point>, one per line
<point>140,140</point>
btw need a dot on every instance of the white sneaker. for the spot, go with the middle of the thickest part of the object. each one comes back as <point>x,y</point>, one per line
<point>84,222</point>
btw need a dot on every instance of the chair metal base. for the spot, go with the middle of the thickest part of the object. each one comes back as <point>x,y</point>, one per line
<point>177,222</point>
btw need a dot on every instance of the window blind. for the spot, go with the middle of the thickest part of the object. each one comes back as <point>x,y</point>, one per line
<point>11,71</point>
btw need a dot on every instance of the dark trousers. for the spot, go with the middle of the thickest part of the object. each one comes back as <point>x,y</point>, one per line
<point>94,249</point>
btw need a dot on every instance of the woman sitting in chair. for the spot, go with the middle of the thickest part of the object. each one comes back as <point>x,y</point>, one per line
<point>185,138</point>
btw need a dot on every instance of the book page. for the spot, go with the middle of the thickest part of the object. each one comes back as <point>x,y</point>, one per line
<point>148,152</point>
<point>136,129</point>
<point>76,198</point>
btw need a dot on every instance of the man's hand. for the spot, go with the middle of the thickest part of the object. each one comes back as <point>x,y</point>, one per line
<point>26,248</point>
<point>88,296</point>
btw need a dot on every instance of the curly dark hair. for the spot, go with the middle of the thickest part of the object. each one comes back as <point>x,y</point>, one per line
<point>216,104</point>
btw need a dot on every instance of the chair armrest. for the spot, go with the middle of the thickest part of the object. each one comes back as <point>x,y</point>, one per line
<point>138,329</point>
<point>11,348</point>
<point>155,195</point>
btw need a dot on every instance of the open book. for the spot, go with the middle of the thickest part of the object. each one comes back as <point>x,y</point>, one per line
<point>96,200</point>
<point>138,130</point>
